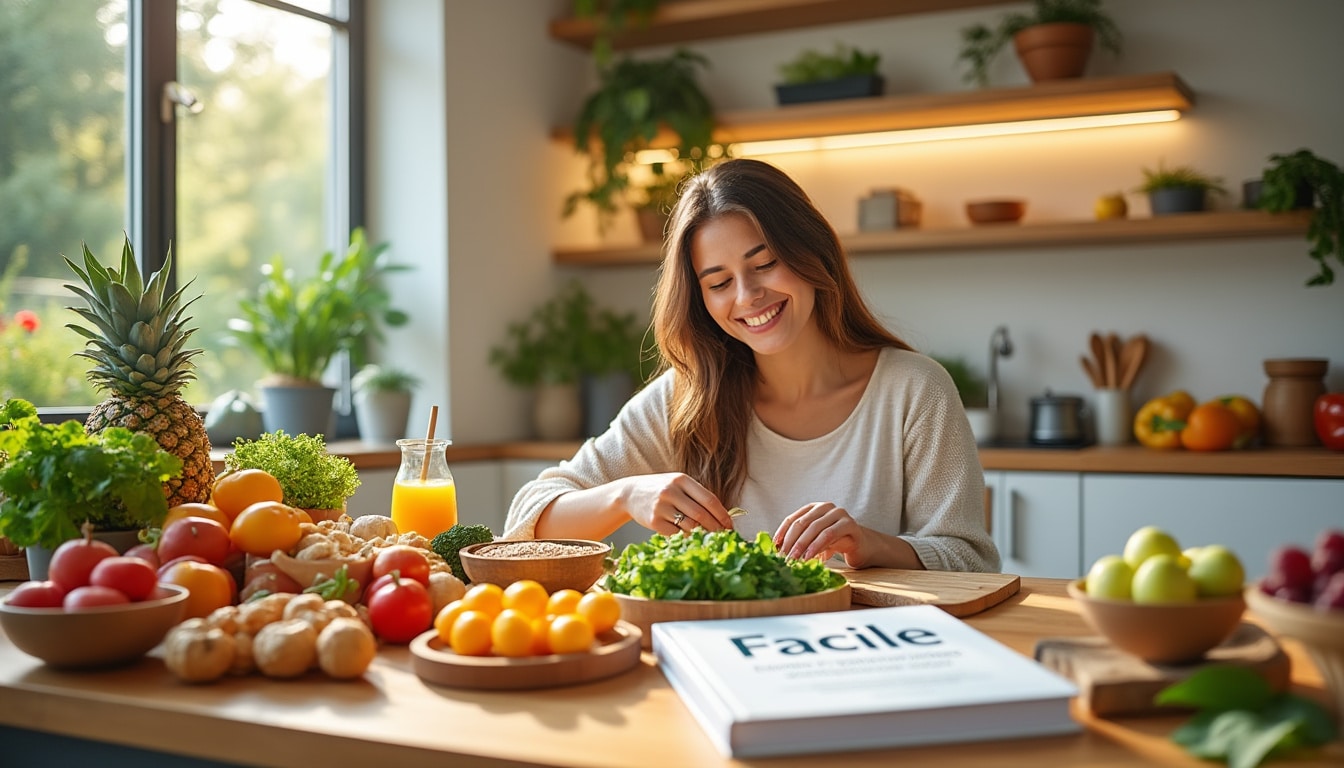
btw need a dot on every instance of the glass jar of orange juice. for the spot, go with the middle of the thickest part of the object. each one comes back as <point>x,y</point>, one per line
<point>424,498</point>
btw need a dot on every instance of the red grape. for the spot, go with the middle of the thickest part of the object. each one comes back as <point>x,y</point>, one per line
<point>1290,572</point>
<point>1332,597</point>
<point>1328,554</point>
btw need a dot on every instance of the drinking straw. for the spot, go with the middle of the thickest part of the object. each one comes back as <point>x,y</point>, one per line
<point>429,438</point>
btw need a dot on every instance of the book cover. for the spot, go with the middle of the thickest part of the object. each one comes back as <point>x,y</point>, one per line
<point>852,680</point>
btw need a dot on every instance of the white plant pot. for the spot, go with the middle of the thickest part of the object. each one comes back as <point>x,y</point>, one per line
<point>983,424</point>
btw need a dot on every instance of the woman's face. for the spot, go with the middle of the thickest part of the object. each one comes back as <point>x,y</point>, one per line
<point>748,291</point>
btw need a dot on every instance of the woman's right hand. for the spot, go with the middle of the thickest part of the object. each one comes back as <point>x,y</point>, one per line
<point>673,501</point>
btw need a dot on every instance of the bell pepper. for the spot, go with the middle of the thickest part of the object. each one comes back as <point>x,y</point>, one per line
<point>1159,422</point>
<point>1328,418</point>
<point>1249,416</point>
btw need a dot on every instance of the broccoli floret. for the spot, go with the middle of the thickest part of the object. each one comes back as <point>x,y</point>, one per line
<point>447,544</point>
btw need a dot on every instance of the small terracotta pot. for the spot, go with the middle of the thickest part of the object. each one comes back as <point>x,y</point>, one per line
<point>1054,51</point>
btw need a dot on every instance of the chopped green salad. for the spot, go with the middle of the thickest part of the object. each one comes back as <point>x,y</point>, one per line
<point>722,565</point>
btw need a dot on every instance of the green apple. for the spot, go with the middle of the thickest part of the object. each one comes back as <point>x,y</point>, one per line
<point>1148,541</point>
<point>1217,571</point>
<point>1188,556</point>
<point>1109,577</point>
<point>1161,579</point>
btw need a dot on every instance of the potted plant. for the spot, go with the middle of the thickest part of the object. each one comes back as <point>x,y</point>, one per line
<point>55,477</point>
<point>814,76</point>
<point>383,402</point>
<point>312,479</point>
<point>1178,190</point>
<point>1292,181</point>
<point>610,18</point>
<point>654,200</point>
<point>611,366</point>
<point>545,352</point>
<point>1053,41</point>
<point>296,326</point>
<point>974,392</point>
<point>635,102</point>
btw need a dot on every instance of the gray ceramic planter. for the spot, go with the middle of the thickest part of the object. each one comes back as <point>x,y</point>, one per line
<point>1165,202</point>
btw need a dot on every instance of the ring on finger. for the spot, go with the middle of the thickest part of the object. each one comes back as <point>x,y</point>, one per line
<point>677,518</point>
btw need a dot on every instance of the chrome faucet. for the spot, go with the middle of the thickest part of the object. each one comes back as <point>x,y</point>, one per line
<point>999,345</point>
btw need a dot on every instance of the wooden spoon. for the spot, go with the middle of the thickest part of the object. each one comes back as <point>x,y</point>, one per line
<point>1111,375</point>
<point>1091,367</point>
<point>1133,356</point>
<point>1098,348</point>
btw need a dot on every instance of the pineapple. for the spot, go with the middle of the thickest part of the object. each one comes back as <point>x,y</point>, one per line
<point>140,362</point>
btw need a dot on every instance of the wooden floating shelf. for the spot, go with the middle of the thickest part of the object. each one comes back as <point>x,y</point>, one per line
<point>680,21</point>
<point>1214,225</point>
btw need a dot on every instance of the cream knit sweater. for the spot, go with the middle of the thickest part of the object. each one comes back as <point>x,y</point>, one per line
<point>903,463</point>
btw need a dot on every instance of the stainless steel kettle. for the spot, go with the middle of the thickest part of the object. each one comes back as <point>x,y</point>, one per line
<point>1057,420</point>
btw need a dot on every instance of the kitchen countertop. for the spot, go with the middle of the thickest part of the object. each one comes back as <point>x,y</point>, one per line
<point>1262,462</point>
<point>391,717</point>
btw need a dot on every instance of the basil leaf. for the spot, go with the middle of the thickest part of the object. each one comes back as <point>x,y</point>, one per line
<point>1317,727</point>
<point>1218,688</point>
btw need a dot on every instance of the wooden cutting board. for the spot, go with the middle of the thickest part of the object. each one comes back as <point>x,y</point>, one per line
<point>1112,682</point>
<point>960,594</point>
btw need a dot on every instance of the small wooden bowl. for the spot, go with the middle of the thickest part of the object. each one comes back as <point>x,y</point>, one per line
<point>570,571</point>
<point>644,613</point>
<point>1173,633</point>
<point>995,211</point>
<point>309,572</point>
<point>1320,632</point>
<point>94,637</point>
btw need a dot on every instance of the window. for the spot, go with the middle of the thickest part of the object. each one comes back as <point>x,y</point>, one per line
<point>226,130</point>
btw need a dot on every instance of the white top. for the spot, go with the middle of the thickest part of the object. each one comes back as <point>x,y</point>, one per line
<point>903,463</point>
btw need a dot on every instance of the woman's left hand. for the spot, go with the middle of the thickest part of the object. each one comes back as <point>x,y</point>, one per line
<point>822,529</point>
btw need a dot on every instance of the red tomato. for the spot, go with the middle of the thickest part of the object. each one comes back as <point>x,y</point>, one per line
<point>131,576</point>
<point>400,610</point>
<point>198,536</point>
<point>146,552</point>
<point>92,597</point>
<point>1328,418</point>
<point>410,561</point>
<point>73,561</point>
<point>36,594</point>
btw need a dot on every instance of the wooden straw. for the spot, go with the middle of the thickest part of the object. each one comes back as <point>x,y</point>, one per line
<point>429,438</point>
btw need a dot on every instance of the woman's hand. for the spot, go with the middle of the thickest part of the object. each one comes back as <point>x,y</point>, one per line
<point>822,529</point>
<point>673,501</point>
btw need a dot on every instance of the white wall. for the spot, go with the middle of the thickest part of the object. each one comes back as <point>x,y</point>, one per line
<point>1265,79</point>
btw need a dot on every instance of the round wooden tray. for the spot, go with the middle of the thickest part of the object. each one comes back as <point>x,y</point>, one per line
<point>644,613</point>
<point>616,652</point>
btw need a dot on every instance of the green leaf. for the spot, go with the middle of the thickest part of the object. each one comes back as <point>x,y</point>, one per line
<point>1218,688</point>
<point>1317,726</point>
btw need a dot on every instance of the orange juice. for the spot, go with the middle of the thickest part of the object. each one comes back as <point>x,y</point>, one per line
<point>428,508</point>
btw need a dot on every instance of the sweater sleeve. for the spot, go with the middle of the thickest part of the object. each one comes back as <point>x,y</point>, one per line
<point>636,443</point>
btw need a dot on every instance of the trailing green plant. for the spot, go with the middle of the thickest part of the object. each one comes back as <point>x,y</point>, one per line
<point>980,44</point>
<point>635,100</point>
<point>1180,177</point>
<point>378,378</point>
<point>971,386</point>
<point>611,17</point>
<point>310,477</point>
<point>55,477</point>
<point>295,326</point>
<point>1326,230</point>
<point>811,66</point>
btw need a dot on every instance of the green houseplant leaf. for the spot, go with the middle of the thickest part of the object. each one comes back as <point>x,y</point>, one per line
<point>1325,233</point>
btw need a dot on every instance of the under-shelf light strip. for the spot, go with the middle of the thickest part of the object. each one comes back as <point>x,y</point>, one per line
<point>942,133</point>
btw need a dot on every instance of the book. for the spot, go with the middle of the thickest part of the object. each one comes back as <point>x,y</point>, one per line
<point>852,680</point>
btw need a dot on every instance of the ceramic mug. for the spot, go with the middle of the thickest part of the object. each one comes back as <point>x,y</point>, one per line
<point>1111,410</point>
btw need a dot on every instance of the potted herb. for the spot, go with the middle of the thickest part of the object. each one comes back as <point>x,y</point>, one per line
<point>545,353</point>
<point>383,402</point>
<point>636,101</point>
<point>55,477</point>
<point>973,390</point>
<point>611,367</point>
<point>296,326</point>
<point>1178,190</point>
<point>1292,181</point>
<point>311,478</point>
<point>814,76</point>
<point>1053,41</point>
<point>654,200</point>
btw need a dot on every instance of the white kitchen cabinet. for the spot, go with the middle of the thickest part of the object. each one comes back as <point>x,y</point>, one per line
<point>1249,515</point>
<point>1036,522</point>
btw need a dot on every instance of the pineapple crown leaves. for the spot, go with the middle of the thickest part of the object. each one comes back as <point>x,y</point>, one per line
<point>140,347</point>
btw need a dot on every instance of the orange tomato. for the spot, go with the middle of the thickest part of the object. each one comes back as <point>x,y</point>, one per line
<point>527,597</point>
<point>265,527</point>
<point>208,586</point>
<point>444,619</point>
<point>563,601</point>
<point>484,597</point>
<point>237,490</point>
<point>1249,416</point>
<point>470,634</point>
<point>511,634</point>
<point>571,633</point>
<point>1211,426</point>
<point>193,509</point>
<point>541,635</point>
<point>601,609</point>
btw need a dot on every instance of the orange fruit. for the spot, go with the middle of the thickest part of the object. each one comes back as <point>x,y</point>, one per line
<point>601,610</point>
<point>235,491</point>
<point>527,597</point>
<point>563,601</point>
<point>444,619</point>
<point>208,586</point>
<point>571,633</point>
<point>1211,426</point>
<point>486,598</point>
<point>541,635</point>
<point>265,527</point>
<point>470,635</point>
<point>194,509</point>
<point>511,634</point>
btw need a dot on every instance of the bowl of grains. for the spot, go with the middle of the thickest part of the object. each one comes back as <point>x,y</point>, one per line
<point>554,563</point>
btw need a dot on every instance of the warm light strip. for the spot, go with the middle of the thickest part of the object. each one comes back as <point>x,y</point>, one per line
<point>943,133</point>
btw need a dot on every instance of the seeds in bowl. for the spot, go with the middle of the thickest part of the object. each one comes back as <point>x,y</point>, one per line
<point>533,549</point>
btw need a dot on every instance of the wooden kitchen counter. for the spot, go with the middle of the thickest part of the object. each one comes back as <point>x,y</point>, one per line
<point>390,717</point>
<point>1262,462</point>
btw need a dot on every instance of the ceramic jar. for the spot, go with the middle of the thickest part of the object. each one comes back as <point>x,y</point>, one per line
<point>1294,385</point>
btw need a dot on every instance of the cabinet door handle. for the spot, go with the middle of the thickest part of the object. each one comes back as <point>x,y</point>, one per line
<point>1009,547</point>
<point>989,511</point>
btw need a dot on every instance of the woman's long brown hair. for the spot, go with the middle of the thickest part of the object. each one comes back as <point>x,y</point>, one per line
<point>715,373</point>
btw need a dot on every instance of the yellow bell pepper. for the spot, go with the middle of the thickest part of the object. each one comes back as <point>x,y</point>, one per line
<point>1159,422</point>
